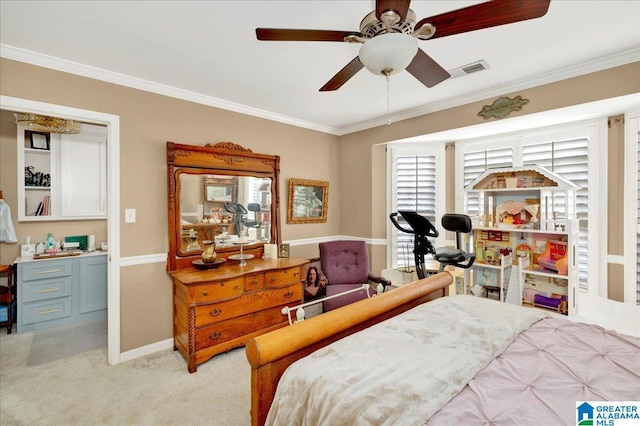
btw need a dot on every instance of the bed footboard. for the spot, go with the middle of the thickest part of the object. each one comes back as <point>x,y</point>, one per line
<point>271,353</point>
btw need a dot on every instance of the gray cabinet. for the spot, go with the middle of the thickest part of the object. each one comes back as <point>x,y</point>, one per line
<point>61,291</point>
<point>93,284</point>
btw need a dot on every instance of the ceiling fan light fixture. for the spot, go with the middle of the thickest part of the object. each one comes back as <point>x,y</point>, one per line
<point>388,54</point>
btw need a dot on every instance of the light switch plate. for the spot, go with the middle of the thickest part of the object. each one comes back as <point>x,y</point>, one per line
<point>129,215</point>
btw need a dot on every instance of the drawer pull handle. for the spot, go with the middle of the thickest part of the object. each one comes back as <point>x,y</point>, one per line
<point>215,312</point>
<point>255,282</point>
<point>295,274</point>
<point>238,287</point>
<point>50,311</point>
<point>273,279</point>
<point>205,293</point>
<point>49,290</point>
<point>214,336</point>
<point>288,294</point>
<point>48,271</point>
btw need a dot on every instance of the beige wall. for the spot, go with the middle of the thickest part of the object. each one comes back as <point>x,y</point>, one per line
<point>354,165</point>
<point>615,212</point>
<point>147,122</point>
<point>605,84</point>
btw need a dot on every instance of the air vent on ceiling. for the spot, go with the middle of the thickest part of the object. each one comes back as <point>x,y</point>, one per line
<point>476,66</point>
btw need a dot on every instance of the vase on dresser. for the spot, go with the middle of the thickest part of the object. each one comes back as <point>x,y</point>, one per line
<point>209,254</point>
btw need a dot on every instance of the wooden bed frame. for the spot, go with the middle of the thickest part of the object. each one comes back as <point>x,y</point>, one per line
<point>271,353</point>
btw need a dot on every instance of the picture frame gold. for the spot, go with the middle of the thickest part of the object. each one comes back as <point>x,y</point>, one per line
<point>308,201</point>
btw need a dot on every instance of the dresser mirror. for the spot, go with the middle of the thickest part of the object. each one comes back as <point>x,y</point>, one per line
<point>220,192</point>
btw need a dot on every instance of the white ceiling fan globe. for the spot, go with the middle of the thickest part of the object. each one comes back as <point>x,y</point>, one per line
<point>388,54</point>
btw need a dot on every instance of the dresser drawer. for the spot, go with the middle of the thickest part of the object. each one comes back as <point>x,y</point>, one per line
<point>254,282</point>
<point>247,303</point>
<point>46,310</point>
<point>46,269</point>
<point>217,291</point>
<point>283,277</point>
<point>46,289</point>
<point>224,331</point>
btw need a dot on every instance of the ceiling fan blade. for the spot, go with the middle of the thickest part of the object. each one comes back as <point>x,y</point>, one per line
<point>401,7</point>
<point>485,15</point>
<point>282,34</point>
<point>428,71</point>
<point>343,75</point>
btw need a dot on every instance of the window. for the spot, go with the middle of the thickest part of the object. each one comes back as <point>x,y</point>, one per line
<point>478,161</point>
<point>571,151</point>
<point>417,184</point>
<point>568,158</point>
<point>632,199</point>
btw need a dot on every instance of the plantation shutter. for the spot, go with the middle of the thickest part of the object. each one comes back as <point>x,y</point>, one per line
<point>475,163</point>
<point>415,190</point>
<point>569,159</point>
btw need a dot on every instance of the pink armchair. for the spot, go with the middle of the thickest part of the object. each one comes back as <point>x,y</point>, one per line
<point>346,266</point>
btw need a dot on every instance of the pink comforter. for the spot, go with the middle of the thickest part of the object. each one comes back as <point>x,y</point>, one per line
<point>541,375</point>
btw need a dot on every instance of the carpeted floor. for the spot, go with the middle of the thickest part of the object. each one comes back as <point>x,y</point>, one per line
<point>80,388</point>
<point>61,342</point>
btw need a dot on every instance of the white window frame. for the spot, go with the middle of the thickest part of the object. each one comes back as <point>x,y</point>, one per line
<point>436,149</point>
<point>632,127</point>
<point>596,132</point>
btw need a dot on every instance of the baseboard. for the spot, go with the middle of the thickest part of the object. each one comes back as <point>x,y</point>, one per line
<point>146,350</point>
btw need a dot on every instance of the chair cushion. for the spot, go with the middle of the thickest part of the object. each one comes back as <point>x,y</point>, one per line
<point>449,255</point>
<point>345,261</point>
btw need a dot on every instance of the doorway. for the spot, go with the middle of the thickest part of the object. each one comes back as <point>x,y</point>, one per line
<point>112,122</point>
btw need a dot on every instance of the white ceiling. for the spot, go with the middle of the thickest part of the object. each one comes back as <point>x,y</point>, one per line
<point>206,51</point>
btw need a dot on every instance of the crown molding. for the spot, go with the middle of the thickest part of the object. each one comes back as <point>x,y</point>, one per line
<point>619,59</point>
<point>51,62</point>
<point>26,56</point>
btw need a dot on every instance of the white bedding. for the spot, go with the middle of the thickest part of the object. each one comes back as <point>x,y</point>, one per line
<point>402,370</point>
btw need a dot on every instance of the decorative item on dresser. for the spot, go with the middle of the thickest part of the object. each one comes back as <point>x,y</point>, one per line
<point>220,305</point>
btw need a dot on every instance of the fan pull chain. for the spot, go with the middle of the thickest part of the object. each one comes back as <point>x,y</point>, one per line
<point>388,101</point>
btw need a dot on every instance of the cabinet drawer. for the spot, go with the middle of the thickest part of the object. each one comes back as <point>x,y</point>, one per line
<point>247,303</point>
<point>46,269</point>
<point>283,277</point>
<point>224,331</point>
<point>254,282</point>
<point>46,289</point>
<point>217,291</point>
<point>45,310</point>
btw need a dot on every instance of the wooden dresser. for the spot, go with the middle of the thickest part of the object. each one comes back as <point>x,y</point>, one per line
<point>220,309</point>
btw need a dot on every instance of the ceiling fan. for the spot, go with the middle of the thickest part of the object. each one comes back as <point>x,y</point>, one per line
<point>389,35</point>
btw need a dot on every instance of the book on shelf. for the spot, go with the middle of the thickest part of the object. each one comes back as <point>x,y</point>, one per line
<point>44,207</point>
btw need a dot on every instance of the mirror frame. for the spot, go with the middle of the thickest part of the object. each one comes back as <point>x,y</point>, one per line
<point>223,158</point>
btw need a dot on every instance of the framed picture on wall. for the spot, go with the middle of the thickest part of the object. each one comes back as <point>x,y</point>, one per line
<point>308,200</point>
<point>39,140</point>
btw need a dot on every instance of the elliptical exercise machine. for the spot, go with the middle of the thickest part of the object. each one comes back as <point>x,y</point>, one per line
<point>422,228</point>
